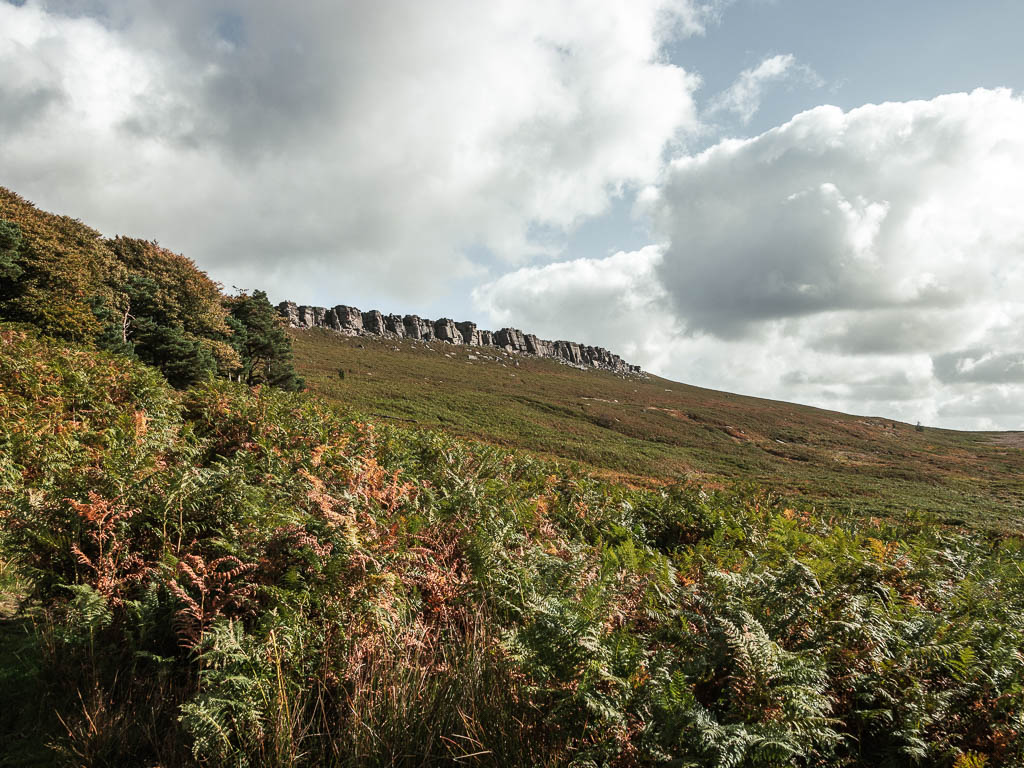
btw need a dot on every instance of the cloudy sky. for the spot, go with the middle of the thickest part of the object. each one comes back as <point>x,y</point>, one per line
<point>801,199</point>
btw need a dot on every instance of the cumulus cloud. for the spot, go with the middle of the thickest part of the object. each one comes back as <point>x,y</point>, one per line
<point>348,150</point>
<point>615,302</point>
<point>899,206</point>
<point>868,260</point>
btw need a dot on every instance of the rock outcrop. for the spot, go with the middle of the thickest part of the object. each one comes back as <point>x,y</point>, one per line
<point>373,323</point>
<point>351,321</point>
<point>445,330</point>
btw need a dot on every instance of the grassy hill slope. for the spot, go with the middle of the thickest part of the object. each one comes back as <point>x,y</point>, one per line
<point>233,577</point>
<point>648,429</point>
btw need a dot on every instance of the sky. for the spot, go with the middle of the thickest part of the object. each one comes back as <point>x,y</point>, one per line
<point>809,200</point>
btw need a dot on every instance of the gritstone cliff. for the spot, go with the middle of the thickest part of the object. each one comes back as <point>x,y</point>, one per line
<point>351,321</point>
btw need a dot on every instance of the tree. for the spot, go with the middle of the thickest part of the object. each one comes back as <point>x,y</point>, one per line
<point>53,271</point>
<point>177,294</point>
<point>260,340</point>
<point>10,240</point>
<point>179,355</point>
<point>158,340</point>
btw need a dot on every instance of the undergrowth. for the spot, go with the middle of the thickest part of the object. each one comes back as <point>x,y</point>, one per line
<point>232,576</point>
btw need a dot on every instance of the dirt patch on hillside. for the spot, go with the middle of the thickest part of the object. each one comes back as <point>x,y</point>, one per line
<point>1009,439</point>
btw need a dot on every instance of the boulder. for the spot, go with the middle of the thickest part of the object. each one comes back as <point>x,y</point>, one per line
<point>445,330</point>
<point>349,318</point>
<point>373,322</point>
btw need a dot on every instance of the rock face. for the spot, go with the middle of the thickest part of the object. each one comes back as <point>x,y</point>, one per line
<point>445,330</point>
<point>511,339</point>
<point>350,320</point>
<point>470,335</point>
<point>312,317</point>
<point>417,328</point>
<point>395,326</point>
<point>290,312</point>
<point>373,322</point>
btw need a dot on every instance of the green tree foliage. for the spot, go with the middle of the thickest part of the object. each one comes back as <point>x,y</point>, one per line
<point>260,340</point>
<point>132,296</point>
<point>10,241</point>
<point>182,358</point>
<point>159,339</point>
<point>168,290</point>
<point>64,271</point>
<point>234,576</point>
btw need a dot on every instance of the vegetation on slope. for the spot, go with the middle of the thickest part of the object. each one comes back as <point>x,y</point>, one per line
<point>133,297</point>
<point>236,576</point>
<point>199,569</point>
<point>651,429</point>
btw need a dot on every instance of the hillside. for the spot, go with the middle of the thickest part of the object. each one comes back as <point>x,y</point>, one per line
<point>651,430</point>
<point>135,298</point>
<point>201,564</point>
<point>232,577</point>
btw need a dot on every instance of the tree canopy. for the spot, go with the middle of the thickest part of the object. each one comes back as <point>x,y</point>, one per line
<point>132,296</point>
<point>261,342</point>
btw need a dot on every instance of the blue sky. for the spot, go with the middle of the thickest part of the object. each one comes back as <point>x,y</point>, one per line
<point>866,52</point>
<point>808,200</point>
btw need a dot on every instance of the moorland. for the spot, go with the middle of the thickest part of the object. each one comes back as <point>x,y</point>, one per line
<point>650,431</point>
<point>205,560</point>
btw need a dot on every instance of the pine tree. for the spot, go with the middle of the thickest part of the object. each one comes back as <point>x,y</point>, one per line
<point>261,342</point>
<point>160,341</point>
<point>10,239</point>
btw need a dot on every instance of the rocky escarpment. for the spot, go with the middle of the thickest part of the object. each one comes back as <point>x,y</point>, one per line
<point>351,321</point>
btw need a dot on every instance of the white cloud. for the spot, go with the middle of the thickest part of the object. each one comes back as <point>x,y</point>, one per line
<point>615,302</point>
<point>347,149</point>
<point>869,261</point>
<point>743,97</point>
<point>903,206</point>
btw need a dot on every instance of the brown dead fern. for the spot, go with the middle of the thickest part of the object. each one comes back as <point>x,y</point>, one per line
<point>211,589</point>
<point>113,567</point>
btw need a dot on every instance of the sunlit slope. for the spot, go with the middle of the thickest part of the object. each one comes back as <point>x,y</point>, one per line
<point>652,428</point>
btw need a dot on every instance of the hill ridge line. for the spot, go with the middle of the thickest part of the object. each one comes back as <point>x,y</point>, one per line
<point>353,322</point>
